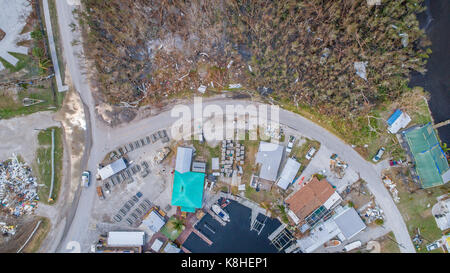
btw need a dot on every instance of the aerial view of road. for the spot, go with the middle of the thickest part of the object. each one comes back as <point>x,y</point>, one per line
<point>346,154</point>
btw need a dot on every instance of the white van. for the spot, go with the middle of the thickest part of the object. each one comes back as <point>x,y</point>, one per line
<point>352,246</point>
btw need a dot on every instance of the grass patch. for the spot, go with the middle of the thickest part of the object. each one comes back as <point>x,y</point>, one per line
<point>300,151</point>
<point>43,162</point>
<point>25,61</point>
<point>203,150</point>
<point>415,206</point>
<point>388,244</point>
<point>35,243</point>
<point>9,107</point>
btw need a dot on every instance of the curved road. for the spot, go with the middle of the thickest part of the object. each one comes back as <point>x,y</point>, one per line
<point>105,138</point>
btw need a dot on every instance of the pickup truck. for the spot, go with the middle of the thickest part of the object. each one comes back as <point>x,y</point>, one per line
<point>100,192</point>
<point>290,144</point>
<point>86,179</point>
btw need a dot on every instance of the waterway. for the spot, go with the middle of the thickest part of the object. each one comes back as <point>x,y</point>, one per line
<point>436,23</point>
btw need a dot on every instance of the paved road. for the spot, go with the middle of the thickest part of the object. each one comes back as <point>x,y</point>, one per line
<point>105,138</point>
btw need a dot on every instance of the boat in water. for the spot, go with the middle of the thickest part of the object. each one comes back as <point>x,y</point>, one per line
<point>221,213</point>
<point>332,243</point>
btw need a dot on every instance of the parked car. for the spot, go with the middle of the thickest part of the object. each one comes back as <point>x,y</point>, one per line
<point>310,153</point>
<point>86,179</point>
<point>379,154</point>
<point>139,194</point>
<point>290,144</point>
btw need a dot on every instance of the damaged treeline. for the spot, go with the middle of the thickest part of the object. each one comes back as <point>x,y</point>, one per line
<point>304,50</point>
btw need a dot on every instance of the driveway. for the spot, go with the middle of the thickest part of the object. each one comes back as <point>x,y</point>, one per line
<point>105,138</point>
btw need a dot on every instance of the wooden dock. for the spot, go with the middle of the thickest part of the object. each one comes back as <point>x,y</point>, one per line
<point>203,237</point>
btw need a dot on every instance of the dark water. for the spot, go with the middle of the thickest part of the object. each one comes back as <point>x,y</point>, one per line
<point>236,236</point>
<point>436,22</point>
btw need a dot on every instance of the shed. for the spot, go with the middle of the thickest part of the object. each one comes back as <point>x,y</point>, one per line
<point>269,156</point>
<point>215,163</point>
<point>156,246</point>
<point>126,238</point>
<point>154,221</point>
<point>199,167</point>
<point>397,121</point>
<point>171,248</point>
<point>184,159</point>
<point>112,168</point>
<point>288,174</point>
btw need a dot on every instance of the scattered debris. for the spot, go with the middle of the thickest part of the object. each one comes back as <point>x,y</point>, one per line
<point>201,89</point>
<point>18,188</point>
<point>6,229</point>
<point>372,213</point>
<point>360,68</point>
<point>235,86</point>
<point>392,188</point>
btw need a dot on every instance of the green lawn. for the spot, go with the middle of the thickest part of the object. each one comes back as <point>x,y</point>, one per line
<point>416,210</point>
<point>43,163</point>
<point>300,151</point>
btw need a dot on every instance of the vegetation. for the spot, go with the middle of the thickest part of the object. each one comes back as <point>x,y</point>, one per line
<point>43,162</point>
<point>35,243</point>
<point>143,53</point>
<point>173,228</point>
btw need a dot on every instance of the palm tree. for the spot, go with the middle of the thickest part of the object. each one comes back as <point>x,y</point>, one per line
<point>178,225</point>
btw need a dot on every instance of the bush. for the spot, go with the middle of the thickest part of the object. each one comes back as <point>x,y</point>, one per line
<point>379,222</point>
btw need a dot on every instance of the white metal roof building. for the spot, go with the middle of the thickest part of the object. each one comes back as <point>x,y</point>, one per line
<point>154,221</point>
<point>288,174</point>
<point>171,248</point>
<point>349,223</point>
<point>215,163</point>
<point>112,168</point>
<point>157,244</point>
<point>126,238</point>
<point>184,159</point>
<point>345,225</point>
<point>269,156</point>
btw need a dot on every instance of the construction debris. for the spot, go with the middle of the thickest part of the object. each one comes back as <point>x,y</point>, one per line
<point>6,229</point>
<point>338,166</point>
<point>372,213</point>
<point>232,152</point>
<point>18,188</point>
<point>392,188</point>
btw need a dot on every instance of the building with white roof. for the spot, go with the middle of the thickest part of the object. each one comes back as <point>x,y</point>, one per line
<point>157,244</point>
<point>112,169</point>
<point>126,238</point>
<point>288,174</point>
<point>398,120</point>
<point>269,156</point>
<point>215,164</point>
<point>345,224</point>
<point>171,248</point>
<point>184,159</point>
<point>154,221</point>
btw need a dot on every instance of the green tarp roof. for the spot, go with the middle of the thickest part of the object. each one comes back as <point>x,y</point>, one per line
<point>188,190</point>
<point>430,160</point>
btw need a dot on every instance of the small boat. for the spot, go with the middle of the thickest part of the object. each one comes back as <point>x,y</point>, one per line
<point>332,243</point>
<point>221,213</point>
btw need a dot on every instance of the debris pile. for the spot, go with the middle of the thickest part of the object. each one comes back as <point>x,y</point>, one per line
<point>373,213</point>
<point>392,188</point>
<point>338,166</point>
<point>18,188</point>
<point>8,230</point>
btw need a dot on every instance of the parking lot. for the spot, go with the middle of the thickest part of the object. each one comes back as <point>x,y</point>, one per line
<point>131,193</point>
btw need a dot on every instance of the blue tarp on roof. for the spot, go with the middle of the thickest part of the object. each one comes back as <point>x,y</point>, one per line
<point>394,117</point>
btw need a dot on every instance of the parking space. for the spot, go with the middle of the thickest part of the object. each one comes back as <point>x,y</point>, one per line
<point>145,183</point>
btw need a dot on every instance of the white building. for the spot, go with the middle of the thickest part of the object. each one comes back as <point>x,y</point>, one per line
<point>112,168</point>
<point>398,120</point>
<point>269,156</point>
<point>184,159</point>
<point>154,221</point>
<point>288,174</point>
<point>126,238</point>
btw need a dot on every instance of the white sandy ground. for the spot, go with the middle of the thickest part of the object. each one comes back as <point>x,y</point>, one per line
<point>13,15</point>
